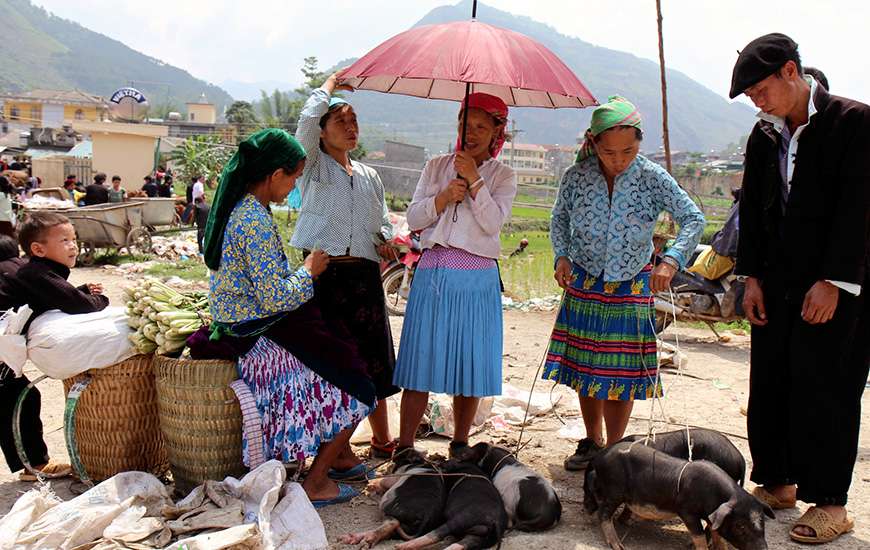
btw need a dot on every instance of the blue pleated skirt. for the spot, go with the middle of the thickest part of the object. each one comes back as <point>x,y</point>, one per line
<point>452,335</point>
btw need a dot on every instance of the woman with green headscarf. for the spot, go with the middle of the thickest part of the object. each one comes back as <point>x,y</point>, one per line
<point>603,343</point>
<point>309,385</point>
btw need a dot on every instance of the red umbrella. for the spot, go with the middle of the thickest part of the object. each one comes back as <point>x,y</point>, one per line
<point>449,61</point>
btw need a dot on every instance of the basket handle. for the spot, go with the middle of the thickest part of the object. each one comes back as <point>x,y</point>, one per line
<point>16,434</point>
<point>69,428</point>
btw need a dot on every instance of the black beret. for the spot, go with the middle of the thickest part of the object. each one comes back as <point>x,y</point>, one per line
<point>759,59</point>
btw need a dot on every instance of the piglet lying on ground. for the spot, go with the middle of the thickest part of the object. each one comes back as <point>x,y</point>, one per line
<point>474,511</point>
<point>654,485</point>
<point>412,502</point>
<point>707,445</point>
<point>529,499</point>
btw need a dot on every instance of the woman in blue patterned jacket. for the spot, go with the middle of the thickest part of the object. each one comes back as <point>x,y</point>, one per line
<point>310,386</point>
<point>603,344</point>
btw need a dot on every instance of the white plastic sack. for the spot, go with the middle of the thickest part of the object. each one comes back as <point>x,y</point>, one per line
<point>83,519</point>
<point>441,414</point>
<point>362,435</point>
<point>511,404</point>
<point>286,517</point>
<point>63,345</point>
<point>13,344</point>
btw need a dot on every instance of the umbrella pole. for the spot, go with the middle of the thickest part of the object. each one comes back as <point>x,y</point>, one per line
<point>462,138</point>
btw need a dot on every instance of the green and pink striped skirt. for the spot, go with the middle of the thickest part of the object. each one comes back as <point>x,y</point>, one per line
<point>604,344</point>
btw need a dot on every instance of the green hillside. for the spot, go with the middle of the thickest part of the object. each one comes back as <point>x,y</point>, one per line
<point>40,50</point>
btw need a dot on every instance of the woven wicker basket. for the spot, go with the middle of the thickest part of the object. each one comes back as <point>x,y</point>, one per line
<point>200,419</point>
<point>117,428</point>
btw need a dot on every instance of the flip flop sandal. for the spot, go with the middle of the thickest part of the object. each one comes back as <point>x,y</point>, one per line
<point>771,500</point>
<point>823,525</point>
<point>360,472</point>
<point>345,494</point>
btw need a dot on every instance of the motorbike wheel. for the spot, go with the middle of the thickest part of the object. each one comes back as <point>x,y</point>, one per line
<point>392,281</point>
<point>663,321</point>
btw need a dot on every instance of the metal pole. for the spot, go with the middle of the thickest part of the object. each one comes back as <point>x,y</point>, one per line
<point>665,138</point>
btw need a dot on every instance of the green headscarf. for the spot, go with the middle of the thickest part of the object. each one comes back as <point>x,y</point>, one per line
<point>257,156</point>
<point>618,111</point>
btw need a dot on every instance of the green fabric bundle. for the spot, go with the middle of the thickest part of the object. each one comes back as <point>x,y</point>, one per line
<point>257,156</point>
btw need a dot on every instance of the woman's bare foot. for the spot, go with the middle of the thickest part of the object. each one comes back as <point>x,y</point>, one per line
<point>346,459</point>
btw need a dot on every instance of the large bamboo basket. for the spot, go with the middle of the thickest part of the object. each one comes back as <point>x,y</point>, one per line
<point>200,419</point>
<point>117,428</point>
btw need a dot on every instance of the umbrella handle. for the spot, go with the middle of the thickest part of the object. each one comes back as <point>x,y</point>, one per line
<point>464,124</point>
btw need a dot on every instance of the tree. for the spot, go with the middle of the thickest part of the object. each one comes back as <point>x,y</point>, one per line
<point>279,109</point>
<point>202,156</point>
<point>242,115</point>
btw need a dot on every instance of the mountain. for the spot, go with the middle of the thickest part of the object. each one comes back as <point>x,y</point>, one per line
<point>40,50</point>
<point>699,119</point>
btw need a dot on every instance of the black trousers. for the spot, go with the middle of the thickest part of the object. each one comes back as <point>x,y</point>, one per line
<point>805,388</point>
<point>31,425</point>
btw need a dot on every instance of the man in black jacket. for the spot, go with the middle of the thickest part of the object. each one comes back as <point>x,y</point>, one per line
<point>803,247</point>
<point>97,192</point>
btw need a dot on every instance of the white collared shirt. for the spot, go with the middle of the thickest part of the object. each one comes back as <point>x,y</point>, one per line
<point>779,124</point>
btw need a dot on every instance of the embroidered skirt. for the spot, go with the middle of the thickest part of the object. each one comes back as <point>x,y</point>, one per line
<point>299,409</point>
<point>603,344</point>
<point>452,335</point>
<point>351,299</point>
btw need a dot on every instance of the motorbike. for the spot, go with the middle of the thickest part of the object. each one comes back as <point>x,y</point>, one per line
<point>397,273</point>
<point>696,298</point>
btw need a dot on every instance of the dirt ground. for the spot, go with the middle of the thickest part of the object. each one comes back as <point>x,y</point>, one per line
<point>712,393</point>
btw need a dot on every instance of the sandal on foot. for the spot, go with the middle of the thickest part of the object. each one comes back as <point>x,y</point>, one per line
<point>587,449</point>
<point>772,500</point>
<point>382,450</point>
<point>360,472</point>
<point>52,469</point>
<point>823,525</point>
<point>345,494</point>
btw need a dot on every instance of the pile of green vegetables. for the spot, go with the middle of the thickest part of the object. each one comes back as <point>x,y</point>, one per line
<point>163,317</point>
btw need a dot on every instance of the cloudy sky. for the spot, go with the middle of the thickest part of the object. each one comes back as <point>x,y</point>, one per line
<point>265,40</point>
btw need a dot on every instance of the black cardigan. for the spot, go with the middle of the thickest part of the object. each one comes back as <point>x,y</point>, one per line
<point>823,233</point>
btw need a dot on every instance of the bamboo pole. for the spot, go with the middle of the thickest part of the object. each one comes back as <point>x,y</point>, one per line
<point>665,137</point>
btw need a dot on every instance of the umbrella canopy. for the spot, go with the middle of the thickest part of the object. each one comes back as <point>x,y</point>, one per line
<point>437,61</point>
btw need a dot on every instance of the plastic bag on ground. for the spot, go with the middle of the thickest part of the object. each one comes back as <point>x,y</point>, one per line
<point>63,345</point>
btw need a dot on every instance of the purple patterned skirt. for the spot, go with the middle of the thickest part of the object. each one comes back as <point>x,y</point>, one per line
<point>299,409</point>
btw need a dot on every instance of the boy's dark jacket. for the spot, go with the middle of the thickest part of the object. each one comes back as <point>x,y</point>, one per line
<point>825,230</point>
<point>42,284</point>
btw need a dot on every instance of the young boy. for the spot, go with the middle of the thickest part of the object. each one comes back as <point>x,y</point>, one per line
<point>117,193</point>
<point>201,210</point>
<point>11,387</point>
<point>49,239</point>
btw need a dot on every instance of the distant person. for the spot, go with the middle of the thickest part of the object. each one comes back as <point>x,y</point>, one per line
<point>97,193</point>
<point>150,187</point>
<point>17,166</point>
<point>70,181</point>
<point>803,249</point>
<point>198,188</point>
<point>7,213</point>
<point>164,188</point>
<point>117,193</point>
<point>188,191</point>
<point>818,75</point>
<point>200,217</point>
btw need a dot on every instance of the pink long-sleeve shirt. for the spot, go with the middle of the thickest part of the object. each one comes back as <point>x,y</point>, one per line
<point>479,220</point>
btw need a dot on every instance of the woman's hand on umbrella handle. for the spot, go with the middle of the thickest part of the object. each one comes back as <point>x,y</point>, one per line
<point>466,166</point>
<point>455,191</point>
<point>564,273</point>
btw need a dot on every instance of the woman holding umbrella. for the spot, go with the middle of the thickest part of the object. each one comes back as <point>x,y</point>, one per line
<point>344,212</point>
<point>452,335</point>
<point>603,344</point>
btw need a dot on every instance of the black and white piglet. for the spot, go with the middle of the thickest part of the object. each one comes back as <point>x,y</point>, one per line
<point>474,511</point>
<point>654,485</point>
<point>530,501</point>
<point>707,445</point>
<point>412,502</point>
